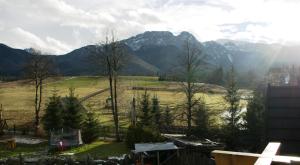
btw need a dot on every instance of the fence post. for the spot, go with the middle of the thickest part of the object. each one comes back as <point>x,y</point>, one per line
<point>89,160</point>
<point>268,154</point>
<point>21,159</point>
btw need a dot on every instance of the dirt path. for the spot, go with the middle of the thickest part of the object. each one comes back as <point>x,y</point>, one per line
<point>93,94</point>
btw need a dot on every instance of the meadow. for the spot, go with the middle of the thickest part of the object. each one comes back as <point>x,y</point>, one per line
<point>100,149</point>
<point>17,98</point>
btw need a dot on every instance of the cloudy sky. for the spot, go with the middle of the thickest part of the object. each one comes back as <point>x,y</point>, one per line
<point>58,26</point>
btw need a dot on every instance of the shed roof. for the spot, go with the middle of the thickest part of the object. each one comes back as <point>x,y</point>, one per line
<point>145,147</point>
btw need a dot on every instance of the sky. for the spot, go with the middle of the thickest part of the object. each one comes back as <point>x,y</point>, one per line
<point>59,26</point>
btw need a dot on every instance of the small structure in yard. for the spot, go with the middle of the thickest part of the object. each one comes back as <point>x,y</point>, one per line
<point>11,143</point>
<point>158,153</point>
<point>194,143</point>
<point>108,102</point>
<point>169,153</point>
<point>65,139</point>
<point>193,150</point>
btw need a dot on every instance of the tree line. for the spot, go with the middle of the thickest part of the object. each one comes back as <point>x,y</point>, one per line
<point>240,129</point>
<point>113,56</point>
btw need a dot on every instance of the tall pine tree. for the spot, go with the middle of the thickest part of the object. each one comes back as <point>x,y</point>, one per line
<point>145,117</point>
<point>201,119</point>
<point>53,118</point>
<point>233,111</point>
<point>255,121</point>
<point>91,129</point>
<point>155,112</point>
<point>168,118</point>
<point>74,112</point>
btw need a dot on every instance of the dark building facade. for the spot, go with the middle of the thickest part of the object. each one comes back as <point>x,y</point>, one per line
<point>283,117</point>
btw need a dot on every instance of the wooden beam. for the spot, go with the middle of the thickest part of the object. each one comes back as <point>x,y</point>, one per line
<point>242,158</point>
<point>286,159</point>
<point>238,158</point>
<point>268,154</point>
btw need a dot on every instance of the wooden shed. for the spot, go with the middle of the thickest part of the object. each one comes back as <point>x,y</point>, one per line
<point>155,153</point>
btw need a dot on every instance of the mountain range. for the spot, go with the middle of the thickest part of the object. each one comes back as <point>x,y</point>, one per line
<point>155,52</point>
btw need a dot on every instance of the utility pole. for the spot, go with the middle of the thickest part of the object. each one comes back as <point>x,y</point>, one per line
<point>133,112</point>
<point>1,109</point>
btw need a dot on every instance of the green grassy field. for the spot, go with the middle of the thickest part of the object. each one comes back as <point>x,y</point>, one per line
<point>17,97</point>
<point>24,149</point>
<point>98,150</point>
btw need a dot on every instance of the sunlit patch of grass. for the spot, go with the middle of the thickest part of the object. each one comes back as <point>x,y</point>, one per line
<point>100,149</point>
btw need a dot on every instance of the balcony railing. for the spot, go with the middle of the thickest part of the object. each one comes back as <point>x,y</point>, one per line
<point>268,157</point>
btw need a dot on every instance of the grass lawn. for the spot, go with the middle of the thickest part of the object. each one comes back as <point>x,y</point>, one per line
<point>100,149</point>
<point>23,149</point>
<point>18,103</point>
<point>18,97</point>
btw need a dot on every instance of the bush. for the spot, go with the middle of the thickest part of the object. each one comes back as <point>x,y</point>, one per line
<point>138,134</point>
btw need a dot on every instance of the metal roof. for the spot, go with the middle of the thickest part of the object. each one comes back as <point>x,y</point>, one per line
<point>145,147</point>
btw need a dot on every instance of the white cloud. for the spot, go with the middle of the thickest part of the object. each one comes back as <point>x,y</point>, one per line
<point>58,26</point>
<point>20,38</point>
<point>56,45</point>
<point>11,36</point>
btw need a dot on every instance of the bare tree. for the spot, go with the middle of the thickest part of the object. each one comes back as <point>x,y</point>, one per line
<point>111,54</point>
<point>190,62</point>
<point>37,70</point>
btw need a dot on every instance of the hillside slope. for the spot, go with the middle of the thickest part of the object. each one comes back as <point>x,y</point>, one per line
<point>159,52</point>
